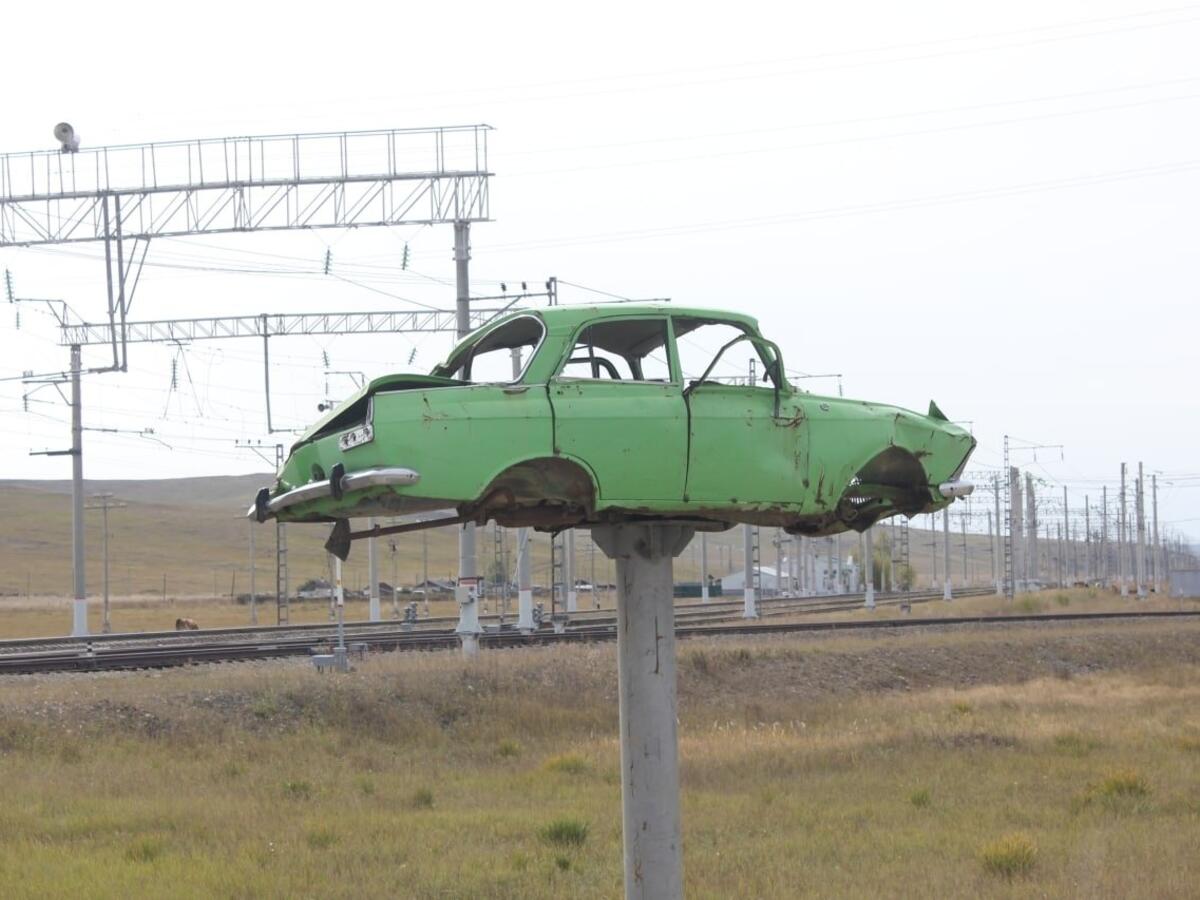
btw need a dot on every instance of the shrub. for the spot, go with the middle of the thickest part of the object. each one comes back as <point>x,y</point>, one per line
<point>564,832</point>
<point>1075,744</point>
<point>567,764</point>
<point>365,786</point>
<point>144,850</point>
<point>1122,783</point>
<point>1012,855</point>
<point>962,707</point>
<point>1029,605</point>
<point>422,798</point>
<point>1062,599</point>
<point>297,790</point>
<point>563,862</point>
<point>919,798</point>
<point>321,838</point>
<point>508,749</point>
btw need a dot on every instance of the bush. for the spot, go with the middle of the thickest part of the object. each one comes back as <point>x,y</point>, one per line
<point>919,798</point>
<point>1012,855</point>
<point>297,790</point>
<point>144,850</point>
<point>564,832</point>
<point>508,749</point>
<point>321,838</point>
<point>1062,599</point>
<point>422,798</point>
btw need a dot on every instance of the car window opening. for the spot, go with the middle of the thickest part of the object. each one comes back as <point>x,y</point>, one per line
<point>625,350</point>
<point>490,359</point>
<point>699,341</point>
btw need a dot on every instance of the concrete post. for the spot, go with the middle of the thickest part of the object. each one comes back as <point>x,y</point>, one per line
<point>1121,537</point>
<point>462,289</point>
<point>569,570</point>
<point>373,614</point>
<point>253,597</point>
<point>869,568</point>
<point>524,583</point>
<point>946,591</point>
<point>648,709</point>
<point>341,659</point>
<point>468,628</point>
<point>704,567</point>
<point>749,601</point>
<point>79,619</point>
<point>1140,558</point>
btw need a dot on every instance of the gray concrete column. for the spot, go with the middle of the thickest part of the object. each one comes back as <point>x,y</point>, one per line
<point>647,691</point>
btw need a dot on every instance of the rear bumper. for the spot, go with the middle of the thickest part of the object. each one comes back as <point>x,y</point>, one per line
<point>264,508</point>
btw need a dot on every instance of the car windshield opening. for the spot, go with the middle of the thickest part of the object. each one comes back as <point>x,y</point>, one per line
<point>624,350</point>
<point>698,342</point>
<point>490,359</point>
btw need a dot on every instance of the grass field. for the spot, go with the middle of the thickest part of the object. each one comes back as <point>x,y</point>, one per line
<point>1040,761</point>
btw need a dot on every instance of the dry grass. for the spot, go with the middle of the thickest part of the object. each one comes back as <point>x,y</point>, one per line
<point>810,767</point>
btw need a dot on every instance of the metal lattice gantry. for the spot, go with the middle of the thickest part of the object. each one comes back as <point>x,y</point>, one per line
<point>273,325</point>
<point>239,184</point>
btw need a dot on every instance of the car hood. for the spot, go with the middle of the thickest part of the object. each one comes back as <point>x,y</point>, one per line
<point>398,382</point>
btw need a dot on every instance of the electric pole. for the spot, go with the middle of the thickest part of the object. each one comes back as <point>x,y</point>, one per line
<point>946,591</point>
<point>1140,512</point>
<point>1121,536</point>
<point>104,504</point>
<point>462,285</point>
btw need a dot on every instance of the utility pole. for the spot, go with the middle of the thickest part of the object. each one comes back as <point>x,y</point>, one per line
<point>524,561</point>
<point>1156,573</point>
<point>1066,548</point>
<point>1140,512</point>
<point>1032,558</point>
<point>253,595</point>
<point>869,568</point>
<point>946,591</point>
<point>462,284</point>
<point>962,520</point>
<point>373,613</point>
<point>572,594</point>
<point>104,504</point>
<point>703,567</point>
<point>1087,539</point>
<point>80,624</point>
<point>1104,567</point>
<point>749,608</point>
<point>1121,537</point>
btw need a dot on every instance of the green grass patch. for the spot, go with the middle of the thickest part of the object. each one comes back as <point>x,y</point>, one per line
<point>421,798</point>
<point>1010,856</point>
<point>920,798</point>
<point>564,833</point>
<point>1074,744</point>
<point>298,789</point>
<point>507,749</point>
<point>567,764</point>
<point>144,850</point>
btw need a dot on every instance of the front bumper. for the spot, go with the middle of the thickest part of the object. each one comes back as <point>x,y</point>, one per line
<point>266,506</point>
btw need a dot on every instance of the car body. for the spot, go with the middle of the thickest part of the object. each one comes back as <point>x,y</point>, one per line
<point>597,421</point>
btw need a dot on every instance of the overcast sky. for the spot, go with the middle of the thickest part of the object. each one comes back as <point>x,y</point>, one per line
<point>991,206</point>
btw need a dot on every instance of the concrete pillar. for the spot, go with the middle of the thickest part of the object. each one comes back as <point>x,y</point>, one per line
<point>524,582</point>
<point>946,592</point>
<point>79,617</point>
<point>569,570</point>
<point>704,567</point>
<point>749,600</point>
<point>373,614</point>
<point>647,691</point>
<point>468,628</point>
<point>869,568</point>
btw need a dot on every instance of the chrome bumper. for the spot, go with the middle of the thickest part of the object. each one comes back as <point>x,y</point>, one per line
<point>952,489</point>
<point>351,481</point>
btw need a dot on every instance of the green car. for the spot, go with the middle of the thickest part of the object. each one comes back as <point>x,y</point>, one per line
<point>572,416</point>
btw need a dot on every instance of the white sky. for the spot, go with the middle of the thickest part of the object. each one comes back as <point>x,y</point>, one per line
<point>991,206</point>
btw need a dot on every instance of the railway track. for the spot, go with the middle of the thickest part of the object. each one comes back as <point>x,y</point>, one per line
<point>148,655</point>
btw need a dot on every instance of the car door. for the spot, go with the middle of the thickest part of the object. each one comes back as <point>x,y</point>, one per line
<point>619,409</point>
<point>748,439</point>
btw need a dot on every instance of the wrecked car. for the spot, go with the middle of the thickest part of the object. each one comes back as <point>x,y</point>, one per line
<point>571,416</point>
